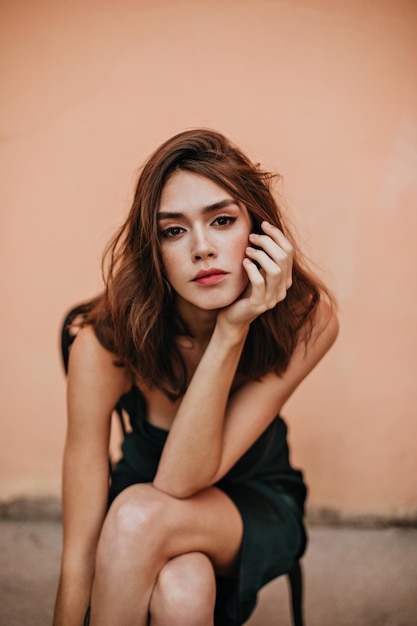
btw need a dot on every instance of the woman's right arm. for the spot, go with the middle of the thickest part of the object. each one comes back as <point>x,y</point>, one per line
<point>95,385</point>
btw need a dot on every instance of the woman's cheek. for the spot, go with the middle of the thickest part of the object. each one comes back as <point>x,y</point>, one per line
<point>170,262</point>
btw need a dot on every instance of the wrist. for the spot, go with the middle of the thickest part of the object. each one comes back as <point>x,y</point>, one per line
<point>231,334</point>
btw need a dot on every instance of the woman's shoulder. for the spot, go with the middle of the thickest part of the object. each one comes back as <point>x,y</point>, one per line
<point>87,345</point>
<point>89,358</point>
<point>325,321</point>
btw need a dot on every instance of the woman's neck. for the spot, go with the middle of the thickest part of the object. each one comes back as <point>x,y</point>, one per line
<point>199,322</point>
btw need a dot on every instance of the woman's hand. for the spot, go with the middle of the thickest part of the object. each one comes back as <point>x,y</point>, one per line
<point>269,269</point>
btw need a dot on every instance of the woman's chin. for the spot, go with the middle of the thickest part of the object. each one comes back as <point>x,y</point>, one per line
<point>212,300</point>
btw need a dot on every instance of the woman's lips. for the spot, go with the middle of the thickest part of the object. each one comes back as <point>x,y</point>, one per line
<point>209,277</point>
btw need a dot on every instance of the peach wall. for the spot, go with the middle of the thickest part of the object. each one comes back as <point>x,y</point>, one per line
<point>323,91</point>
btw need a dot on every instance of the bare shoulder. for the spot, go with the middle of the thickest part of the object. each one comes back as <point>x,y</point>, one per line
<point>92,366</point>
<point>325,325</point>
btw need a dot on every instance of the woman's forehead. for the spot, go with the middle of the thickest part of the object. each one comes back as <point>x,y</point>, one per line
<point>186,190</point>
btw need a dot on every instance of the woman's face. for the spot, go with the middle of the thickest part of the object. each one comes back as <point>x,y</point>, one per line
<point>203,234</point>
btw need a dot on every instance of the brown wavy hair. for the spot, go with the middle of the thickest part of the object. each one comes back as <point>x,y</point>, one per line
<point>136,317</point>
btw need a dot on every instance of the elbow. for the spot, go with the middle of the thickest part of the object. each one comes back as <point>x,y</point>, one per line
<point>179,493</point>
<point>180,490</point>
<point>185,482</point>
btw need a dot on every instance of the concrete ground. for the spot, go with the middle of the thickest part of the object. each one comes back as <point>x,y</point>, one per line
<point>353,577</point>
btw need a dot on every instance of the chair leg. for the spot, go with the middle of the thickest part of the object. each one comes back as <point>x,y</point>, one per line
<point>295,576</point>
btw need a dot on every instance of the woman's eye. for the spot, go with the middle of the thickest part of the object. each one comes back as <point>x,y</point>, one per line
<point>224,220</point>
<point>172,231</point>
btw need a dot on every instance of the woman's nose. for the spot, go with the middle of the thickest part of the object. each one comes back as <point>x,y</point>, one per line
<point>203,246</point>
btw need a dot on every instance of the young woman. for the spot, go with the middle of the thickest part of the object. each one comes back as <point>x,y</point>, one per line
<point>208,323</point>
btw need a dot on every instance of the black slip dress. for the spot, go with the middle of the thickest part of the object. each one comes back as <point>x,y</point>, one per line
<point>268,492</point>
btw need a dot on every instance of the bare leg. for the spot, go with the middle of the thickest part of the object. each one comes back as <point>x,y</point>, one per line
<point>143,530</point>
<point>185,592</point>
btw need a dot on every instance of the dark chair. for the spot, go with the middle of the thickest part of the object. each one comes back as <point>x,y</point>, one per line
<point>295,576</point>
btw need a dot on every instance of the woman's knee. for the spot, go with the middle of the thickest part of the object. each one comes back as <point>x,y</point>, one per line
<point>185,592</point>
<point>134,520</point>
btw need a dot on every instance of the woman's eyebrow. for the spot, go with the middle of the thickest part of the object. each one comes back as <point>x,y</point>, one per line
<point>221,204</point>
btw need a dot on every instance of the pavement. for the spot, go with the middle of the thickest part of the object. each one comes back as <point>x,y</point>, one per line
<point>353,577</point>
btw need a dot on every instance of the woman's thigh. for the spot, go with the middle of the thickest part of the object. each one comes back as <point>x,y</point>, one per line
<point>208,522</point>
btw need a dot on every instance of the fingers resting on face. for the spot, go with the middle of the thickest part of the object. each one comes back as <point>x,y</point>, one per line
<point>273,256</point>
